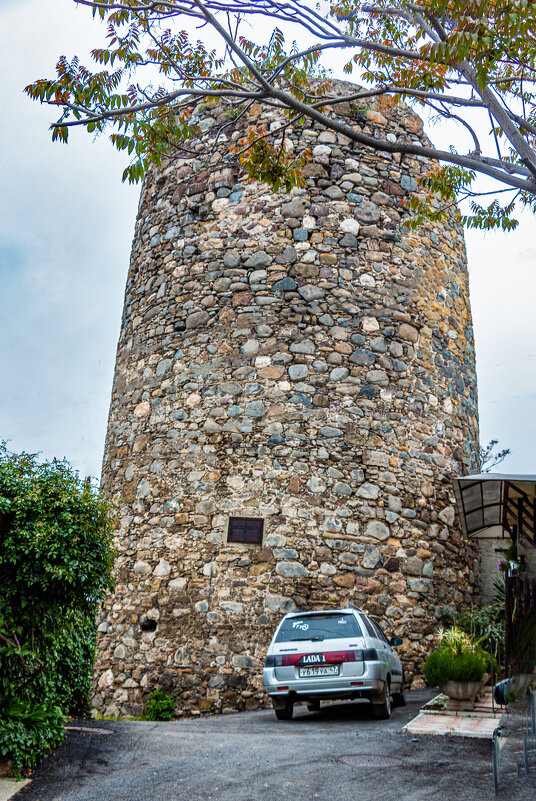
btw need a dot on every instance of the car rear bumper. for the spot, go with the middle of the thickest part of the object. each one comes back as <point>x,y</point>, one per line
<point>369,683</point>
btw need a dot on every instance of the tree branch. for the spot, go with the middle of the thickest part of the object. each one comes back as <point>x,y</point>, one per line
<point>500,170</point>
<point>527,154</point>
<point>388,44</point>
<point>444,112</point>
<point>35,669</point>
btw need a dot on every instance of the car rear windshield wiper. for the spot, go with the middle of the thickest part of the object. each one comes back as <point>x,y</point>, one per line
<point>316,638</point>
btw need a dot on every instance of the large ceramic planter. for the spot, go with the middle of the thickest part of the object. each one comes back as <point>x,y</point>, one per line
<point>464,690</point>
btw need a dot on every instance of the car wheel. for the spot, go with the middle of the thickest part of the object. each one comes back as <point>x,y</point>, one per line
<point>284,712</point>
<point>382,710</point>
<point>399,698</point>
<point>314,706</point>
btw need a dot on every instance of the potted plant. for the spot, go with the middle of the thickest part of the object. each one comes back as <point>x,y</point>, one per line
<point>459,666</point>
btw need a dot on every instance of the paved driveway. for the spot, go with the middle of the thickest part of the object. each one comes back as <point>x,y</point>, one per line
<point>339,754</point>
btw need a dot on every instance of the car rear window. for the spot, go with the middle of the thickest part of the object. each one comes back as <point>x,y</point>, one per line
<point>381,634</point>
<point>368,625</point>
<point>318,627</point>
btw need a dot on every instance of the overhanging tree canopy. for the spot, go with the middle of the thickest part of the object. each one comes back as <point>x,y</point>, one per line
<point>469,61</point>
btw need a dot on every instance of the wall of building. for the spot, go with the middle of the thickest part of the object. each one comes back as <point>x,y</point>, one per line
<point>490,556</point>
<point>296,358</point>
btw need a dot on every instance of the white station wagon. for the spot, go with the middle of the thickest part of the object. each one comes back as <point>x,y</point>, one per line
<point>327,655</point>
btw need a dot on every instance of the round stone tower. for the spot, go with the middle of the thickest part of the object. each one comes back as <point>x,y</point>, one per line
<point>294,389</point>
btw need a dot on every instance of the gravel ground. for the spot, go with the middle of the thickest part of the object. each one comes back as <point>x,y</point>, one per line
<point>339,753</point>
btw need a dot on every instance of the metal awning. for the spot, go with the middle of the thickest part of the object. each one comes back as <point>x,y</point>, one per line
<point>494,499</point>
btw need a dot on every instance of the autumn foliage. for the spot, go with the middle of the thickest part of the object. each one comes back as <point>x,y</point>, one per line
<point>471,62</point>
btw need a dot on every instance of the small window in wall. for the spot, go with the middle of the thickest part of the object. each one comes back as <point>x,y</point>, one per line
<point>246,529</point>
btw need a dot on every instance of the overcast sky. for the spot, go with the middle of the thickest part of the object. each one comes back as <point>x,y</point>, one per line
<point>66,223</point>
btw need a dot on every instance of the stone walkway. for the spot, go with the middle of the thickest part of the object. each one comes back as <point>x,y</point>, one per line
<point>480,721</point>
<point>459,725</point>
<point>8,788</point>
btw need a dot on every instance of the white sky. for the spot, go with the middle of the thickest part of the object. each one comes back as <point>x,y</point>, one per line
<point>66,223</point>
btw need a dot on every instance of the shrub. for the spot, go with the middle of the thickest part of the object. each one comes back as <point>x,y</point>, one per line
<point>437,667</point>
<point>444,665</point>
<point>28,732</point>
<point>159,706</point>
<point>488,659</point>
<point>56,557</point>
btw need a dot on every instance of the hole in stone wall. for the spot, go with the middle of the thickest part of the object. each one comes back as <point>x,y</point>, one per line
<point>146,624</point>
<point>246,529</point>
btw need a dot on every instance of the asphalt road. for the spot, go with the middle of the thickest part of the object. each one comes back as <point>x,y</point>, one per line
<point>338,754</point>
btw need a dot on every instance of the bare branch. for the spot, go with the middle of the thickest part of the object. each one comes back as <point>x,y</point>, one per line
<point>444,112</point>
<point>500,170</point>
<point>470,162</point>
<point>511,132</point>
<point>165,100</point>
<point>232,44</point>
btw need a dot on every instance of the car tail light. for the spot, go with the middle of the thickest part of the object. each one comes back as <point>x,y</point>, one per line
<point>370,655</point>
<point>354,656</point>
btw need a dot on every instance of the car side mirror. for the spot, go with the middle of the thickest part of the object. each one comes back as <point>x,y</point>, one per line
<point>396,641</point>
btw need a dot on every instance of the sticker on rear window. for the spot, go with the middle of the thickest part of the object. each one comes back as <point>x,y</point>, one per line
<point>300,625</point>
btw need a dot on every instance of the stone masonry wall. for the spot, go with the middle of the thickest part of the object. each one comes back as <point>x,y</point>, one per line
<point>297,358</point>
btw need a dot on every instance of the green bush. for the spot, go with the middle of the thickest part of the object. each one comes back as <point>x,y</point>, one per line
<point>56,557</point>
<point>444,665</point>
<point>488,659</point>
<point>28,732</point>
<point>159,706</point>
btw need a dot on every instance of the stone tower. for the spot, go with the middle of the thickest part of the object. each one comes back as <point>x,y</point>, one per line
<point>294,389</point>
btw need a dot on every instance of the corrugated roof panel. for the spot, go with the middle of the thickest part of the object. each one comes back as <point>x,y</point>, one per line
<point>492,499</point>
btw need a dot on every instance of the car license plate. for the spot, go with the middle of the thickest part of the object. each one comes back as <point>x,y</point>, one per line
<point>320,670</point>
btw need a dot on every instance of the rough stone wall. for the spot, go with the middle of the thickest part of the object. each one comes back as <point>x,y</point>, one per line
<point>296,358</point>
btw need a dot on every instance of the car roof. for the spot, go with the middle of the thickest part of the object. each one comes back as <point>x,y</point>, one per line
<point>313,612</point>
